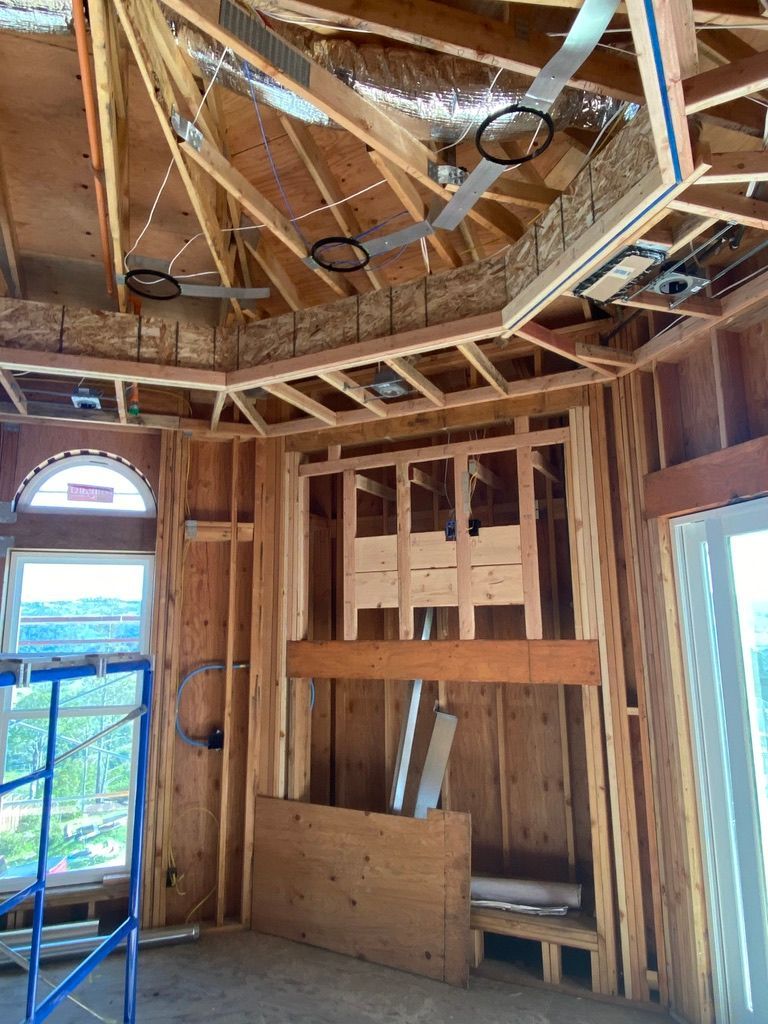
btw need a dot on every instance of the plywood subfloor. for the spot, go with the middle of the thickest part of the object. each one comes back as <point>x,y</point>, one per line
<point>242,976</point>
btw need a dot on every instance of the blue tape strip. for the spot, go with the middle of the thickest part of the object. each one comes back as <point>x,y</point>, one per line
<point>662,80</point>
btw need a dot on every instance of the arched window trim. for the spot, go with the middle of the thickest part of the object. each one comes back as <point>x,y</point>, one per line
<point>35,479</point>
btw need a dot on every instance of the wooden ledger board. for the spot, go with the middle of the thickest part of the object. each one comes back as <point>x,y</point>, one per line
<point>379,887</point>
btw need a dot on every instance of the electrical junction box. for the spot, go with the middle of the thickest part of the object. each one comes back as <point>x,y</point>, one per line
<point>86,398</point>
<point>610,280</point>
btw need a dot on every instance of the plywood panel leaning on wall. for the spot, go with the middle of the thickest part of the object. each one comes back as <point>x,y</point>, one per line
<point>394,891</point>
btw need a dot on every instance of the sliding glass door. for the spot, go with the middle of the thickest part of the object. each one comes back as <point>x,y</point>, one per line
<point>722,565</point>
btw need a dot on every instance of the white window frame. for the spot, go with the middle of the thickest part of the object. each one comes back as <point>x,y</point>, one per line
<point>17,560</point>
<point>729,806</point>
<point>33,483</point>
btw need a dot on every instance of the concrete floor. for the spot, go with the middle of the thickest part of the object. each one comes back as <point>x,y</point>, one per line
<point>238,977</point>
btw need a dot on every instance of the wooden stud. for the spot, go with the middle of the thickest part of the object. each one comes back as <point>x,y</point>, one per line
<point>349,533</point>
<point>463,548</point>
<point>529,545</point>
<point>122,409</point>
<point>404,602</point>
<point>229,658</point>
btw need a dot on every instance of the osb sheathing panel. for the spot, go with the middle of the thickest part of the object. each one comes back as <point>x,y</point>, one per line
<point>158,340</point>
<point>96,333</point>
<point>195,346</point>
<point>225,348</point>
<point>30,325</point>
<point>482,287</point>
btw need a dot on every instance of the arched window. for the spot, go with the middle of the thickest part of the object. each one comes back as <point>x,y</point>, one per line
<point>86,482</point>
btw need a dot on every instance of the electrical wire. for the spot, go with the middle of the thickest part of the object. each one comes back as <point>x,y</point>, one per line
<point>213,666</point>
<point>179,878</point>
<point>472,124</point>
<point>256,227</point>
<point>268,149</point>
<point>170,165</point>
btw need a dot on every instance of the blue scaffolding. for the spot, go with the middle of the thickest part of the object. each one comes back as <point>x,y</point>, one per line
<point>28,672</point>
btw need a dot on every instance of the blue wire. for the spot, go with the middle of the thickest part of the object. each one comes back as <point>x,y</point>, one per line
<point>395,256</point>
<point>272,164</point>
<point>368,231</point>
<point>213,666</point>
<point>381,224</point>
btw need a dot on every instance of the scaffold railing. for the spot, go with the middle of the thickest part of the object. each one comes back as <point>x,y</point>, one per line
<point>16,671</point>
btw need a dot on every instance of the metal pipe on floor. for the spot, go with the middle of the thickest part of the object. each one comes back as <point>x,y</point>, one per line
<point>65,948</point>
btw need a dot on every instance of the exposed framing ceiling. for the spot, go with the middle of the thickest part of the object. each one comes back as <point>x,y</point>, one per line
<point>635,194</point>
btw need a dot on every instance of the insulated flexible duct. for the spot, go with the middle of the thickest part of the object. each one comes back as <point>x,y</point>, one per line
<point>446,95</point>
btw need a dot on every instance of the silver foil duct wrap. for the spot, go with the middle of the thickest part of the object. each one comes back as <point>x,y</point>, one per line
<point>42,17</point>
<point>445,95</point>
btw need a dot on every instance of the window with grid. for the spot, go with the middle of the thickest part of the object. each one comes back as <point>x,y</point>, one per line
<point>72,603</point>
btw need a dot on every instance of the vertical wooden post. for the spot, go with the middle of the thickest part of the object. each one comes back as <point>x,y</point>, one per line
<point>668,421</point>
<point>604,965</point>
<point>254,676</point>
<point>221,862</point>
<point>349,530</point>
<point>297,585</point>
<point>168,601</point>
<point>159,752</point>
<point>463,548</point>
<point>529,545</point>
<point>404,602</point>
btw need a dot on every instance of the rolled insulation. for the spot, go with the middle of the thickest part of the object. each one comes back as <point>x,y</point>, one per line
<point>522,892</point>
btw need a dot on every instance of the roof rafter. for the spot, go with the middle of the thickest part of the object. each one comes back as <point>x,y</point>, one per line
<point>468,35</point>
<point>161,94</point>
<point>726,83</point>
<point>9,243</point>
<point>410,197</point>
<point>316,163</point>
<point>214,163</point>
<point>359,116</point>
<point>111,73</point>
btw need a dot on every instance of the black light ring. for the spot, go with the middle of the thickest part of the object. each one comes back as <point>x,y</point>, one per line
<point>515,108</point>
<point>340,240</point>
<point>131,285</point>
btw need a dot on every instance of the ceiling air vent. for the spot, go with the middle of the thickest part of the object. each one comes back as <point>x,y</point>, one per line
<point>626,266</point>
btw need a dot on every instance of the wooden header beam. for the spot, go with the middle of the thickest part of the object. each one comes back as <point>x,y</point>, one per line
<point>720,478</point>
<point>524,662</point>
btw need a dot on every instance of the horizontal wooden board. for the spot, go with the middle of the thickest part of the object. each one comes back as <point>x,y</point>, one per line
<point>81,533</point>
<point>716,479</point>
<point>375,886</point>
<point>437,588</point>
<point>574,930</point>
<point>495,545</point>
<point>569,662</point>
